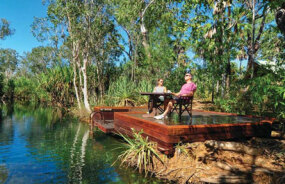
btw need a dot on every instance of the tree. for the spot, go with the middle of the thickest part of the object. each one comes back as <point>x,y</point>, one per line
<point>40,59</point>
<point>8,62</point>
<point>280,14</point>
<point>5,29</point>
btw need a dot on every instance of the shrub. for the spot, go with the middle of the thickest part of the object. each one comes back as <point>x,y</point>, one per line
<point>139,151</point>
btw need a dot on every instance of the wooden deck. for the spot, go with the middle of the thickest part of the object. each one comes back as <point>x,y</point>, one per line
<point>167,134</point>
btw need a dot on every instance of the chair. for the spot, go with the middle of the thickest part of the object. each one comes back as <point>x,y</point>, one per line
<point>157,105</point>
<point>183,103</point>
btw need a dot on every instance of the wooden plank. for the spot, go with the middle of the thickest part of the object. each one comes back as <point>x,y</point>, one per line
<point>197,129</point>
<point>164,137</point>
<point>174,134</point>
<point>107,127</point>
<point>166,147</point>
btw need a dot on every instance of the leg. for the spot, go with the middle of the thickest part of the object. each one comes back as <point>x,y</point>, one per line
<point>169,106</point>
<point>154,110</point>
<point>150,105</point>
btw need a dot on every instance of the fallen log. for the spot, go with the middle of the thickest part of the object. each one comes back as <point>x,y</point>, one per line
<point>225,179</point>
<point>232,146</point>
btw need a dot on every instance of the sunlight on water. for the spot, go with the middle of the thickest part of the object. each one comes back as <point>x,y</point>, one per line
<point>40,145</point>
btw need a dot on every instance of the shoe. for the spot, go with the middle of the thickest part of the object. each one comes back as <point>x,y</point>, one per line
<point>159,116</point>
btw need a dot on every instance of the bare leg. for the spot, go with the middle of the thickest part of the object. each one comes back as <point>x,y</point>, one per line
<point>169,106</point>
<point>154,110</point>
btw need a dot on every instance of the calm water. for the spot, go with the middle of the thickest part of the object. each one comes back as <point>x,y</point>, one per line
<point>39,145</point>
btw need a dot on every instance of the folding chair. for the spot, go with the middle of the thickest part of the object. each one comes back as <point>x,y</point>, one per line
<point>183,103</point>
<point>157,105</point>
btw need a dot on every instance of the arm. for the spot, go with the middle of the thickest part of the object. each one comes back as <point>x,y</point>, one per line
<point>164,90</point>
<point>189,94</point>
<point>154,89</point>
<point>176,94</point>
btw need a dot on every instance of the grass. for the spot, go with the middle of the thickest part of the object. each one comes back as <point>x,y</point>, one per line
<point>139,152</point>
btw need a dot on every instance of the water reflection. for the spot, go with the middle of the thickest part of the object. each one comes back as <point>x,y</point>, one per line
<point>201,118</point>
<point>40,145</point>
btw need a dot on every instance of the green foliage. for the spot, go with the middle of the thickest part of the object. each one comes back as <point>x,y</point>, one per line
<point>206,37</point>
<point>124,92</point>
<point>53,86</point>
<point>264,96</point>
<point>1,85</point>
<point>26,89</point>
<point>8,61</point>
<point>175,79</point>
<point>139,151</point>
<point>5,29</point>
<point>10,89</point>
<point>182,149</point>
<point>40,59</point>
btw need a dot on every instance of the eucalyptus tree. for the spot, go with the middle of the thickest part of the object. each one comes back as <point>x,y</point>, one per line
<point>139,19</point>
<point>280,15</point>
<point>5,29</point>
<point>255,19</point>
<point>8,62</point>
<point>39,59</point>
<point>211,28</point>
<point>91,37</point>
<point>136,13</point>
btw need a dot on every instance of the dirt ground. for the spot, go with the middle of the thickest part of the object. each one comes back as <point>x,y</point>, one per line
<point>257,160</point>
<point>204,105</point>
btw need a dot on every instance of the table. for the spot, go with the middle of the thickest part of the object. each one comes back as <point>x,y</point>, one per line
<point>154,96</point>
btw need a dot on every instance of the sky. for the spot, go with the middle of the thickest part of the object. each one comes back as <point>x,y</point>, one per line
<point>20,14</point>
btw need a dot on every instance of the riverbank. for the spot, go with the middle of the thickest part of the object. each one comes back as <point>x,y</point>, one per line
<point>258,160</point>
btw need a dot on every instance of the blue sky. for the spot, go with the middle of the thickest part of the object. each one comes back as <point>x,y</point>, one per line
<point>20,14</point>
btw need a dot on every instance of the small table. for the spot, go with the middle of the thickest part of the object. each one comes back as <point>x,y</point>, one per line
<point>154,96</point>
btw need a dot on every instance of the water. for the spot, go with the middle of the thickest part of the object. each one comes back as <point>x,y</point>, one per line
<point>39,145</point>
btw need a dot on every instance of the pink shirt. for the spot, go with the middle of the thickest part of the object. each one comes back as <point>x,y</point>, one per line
<point>187,88</point>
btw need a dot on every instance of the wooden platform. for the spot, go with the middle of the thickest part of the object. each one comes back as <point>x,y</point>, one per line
<point>103,117</point>
<point>167,133</point>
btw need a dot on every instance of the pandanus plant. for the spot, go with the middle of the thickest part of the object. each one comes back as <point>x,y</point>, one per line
<point>139,151</point>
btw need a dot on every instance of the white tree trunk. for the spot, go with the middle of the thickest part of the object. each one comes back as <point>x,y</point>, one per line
<point>144,30</point>
<point>84,88</point>
<point>74,58</point>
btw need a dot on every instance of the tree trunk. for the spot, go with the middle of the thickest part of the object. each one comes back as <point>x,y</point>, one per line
<point>252,39</point>
<point>213,90</point>
<point>75,86</point>
<point>280,18</point>
<point>74,59</point>
<point>228,75</point>
<point>75,54</point>
<point>84,88</point>
<point>144,31</point>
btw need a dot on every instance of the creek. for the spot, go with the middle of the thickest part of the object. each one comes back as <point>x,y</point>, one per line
<point>40,145</point>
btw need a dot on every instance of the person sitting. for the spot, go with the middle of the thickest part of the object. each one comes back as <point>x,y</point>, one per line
<point>188,89</point>
<point>159,88</point>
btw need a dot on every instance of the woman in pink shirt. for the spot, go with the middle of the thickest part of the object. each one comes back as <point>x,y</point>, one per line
<point>187,89</point>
